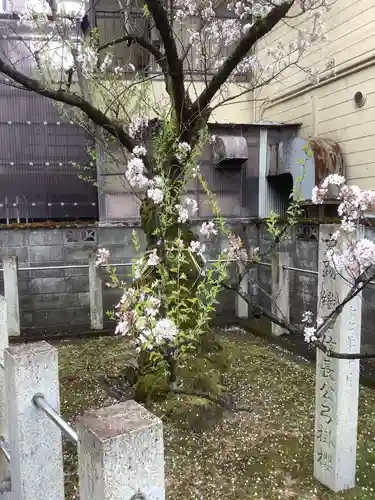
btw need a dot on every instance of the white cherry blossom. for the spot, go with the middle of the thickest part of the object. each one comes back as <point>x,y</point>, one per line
<point>207,229</point>
<point>153,258</point>
<point>102,256</point>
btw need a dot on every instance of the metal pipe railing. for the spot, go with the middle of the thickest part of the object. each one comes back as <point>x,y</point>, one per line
<point>307,271</point>
<point>65,428</point>
<point>74,266</point>
<point>4,449</point>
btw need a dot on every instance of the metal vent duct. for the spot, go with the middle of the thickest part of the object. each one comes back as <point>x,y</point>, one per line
<point>286,157</point>
<point>229,150</point>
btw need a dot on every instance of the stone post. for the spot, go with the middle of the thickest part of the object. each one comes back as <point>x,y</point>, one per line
<point>34,441</point>
<point>280,289</point>
<point>242,307</point>
<point>96,294</point>
<point>337,380</point>
<point>11,295</point>
<point>4,342</point>
<point>121,454</point>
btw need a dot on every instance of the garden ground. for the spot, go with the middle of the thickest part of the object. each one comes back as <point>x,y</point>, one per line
<point>264,453</point>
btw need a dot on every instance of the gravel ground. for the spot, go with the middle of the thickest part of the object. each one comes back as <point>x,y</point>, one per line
<point>265,453</point>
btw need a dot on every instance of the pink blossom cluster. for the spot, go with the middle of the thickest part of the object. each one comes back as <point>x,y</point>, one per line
<point>183,209</point>
<point>211,35</point>
<point>354,201</point>
<point>144,321</point>
<point>348,253</point>
<point>311,331</point>
<point>352,256</point>
<point>221,32</point>
<point>102,257</point>
<point>236,250</point>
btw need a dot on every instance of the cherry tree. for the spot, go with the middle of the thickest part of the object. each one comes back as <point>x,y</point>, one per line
<point>159,138</point>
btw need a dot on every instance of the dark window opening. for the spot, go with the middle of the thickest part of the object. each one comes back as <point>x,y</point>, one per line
<point>281,187</point>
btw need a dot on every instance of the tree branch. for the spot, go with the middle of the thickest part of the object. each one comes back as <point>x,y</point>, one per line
<point>96,116</point>
<point>298,331</point>
<point>263,311</point>
<point>341,355</point>
<point>223,401</point>
<point>259,29</point>
<point>159,56</point>
<point>175,64</point>
<point>359,285</point>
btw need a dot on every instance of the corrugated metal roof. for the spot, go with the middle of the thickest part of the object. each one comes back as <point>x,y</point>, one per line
<point>258,124</point>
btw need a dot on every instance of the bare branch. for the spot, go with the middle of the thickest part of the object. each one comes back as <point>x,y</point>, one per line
<point>96,116</point>
<point>261,311</point>
<point>259,29</point>
<point>159,56</point>
<point>175,65</point>
<point>340,355</point>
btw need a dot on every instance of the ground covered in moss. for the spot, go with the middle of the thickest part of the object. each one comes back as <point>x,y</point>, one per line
<point>263,453</point>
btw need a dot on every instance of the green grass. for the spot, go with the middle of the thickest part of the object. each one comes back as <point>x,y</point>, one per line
<point>263,454</point>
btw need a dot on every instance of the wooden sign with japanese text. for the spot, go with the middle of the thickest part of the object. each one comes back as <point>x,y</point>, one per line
<point>337,380</point>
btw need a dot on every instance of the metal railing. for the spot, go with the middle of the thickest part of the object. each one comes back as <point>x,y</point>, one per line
<point>298,270</point>
<point>40,402</point>
<point>86,266</point>
<point>289,268</point>
<point>74,266</point>
<point>4,449</point>
<point>306,271</point>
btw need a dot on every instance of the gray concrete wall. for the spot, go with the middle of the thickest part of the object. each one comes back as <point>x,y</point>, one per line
<point>57,300</point>
<point>303,253</point>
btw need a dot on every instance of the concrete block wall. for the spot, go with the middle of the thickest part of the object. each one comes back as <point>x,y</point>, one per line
<point>118,240</point>
<point>53,298</point>
<point>302,247</point>
<point>303,254</point>
<point>57,300</point>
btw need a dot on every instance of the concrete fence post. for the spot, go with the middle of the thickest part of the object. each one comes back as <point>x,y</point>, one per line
<point>34,441</point>
<point>242,307</point>
<point>96,294</point>
<point>121,454</point>
<point>11,295</point>
<point>4,434</point>
<point>280,290</point>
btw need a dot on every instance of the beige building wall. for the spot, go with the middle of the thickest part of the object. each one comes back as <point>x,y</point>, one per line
<point>328,108</point>
<point>237,110</point>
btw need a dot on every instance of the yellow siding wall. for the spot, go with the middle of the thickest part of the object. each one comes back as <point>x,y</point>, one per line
<point>239,110</point>
<point>328,109</point>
